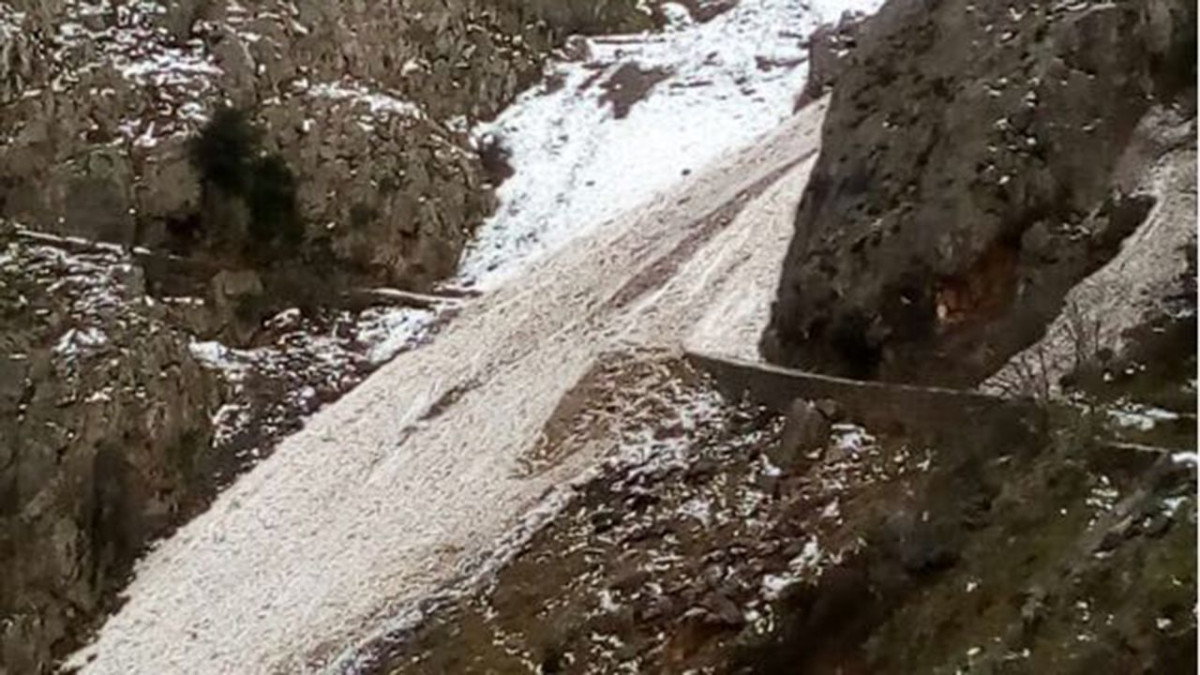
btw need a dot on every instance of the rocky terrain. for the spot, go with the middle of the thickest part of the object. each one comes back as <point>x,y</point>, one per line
<point>105,427</point>
<point>368,107</point>
<point>119,424</point>
<point>421,337</point>
<point>988,157</point>
<point>761,542</point>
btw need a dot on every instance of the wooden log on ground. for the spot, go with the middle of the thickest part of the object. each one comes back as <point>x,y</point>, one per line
<point>361,298</point>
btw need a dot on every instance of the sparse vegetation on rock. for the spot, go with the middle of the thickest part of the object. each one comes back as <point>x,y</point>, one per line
<point>232,164</point>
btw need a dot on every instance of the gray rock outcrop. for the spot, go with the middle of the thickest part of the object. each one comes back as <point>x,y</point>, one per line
<point>805,433</point>
<point>829,52</point>
<point>969,178</point>
<point>105,421</point>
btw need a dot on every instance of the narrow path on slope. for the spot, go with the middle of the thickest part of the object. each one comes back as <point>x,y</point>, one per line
<point>385,494</point>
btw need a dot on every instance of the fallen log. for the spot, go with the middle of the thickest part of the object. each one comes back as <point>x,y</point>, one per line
<point>361,298</point>
<point>161,265</point>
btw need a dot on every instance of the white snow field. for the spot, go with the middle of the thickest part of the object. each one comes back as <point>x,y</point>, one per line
<point>578,166</point>
<point>410,480</point>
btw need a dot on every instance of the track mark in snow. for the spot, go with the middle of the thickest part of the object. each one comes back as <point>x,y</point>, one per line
<point>666,267</point>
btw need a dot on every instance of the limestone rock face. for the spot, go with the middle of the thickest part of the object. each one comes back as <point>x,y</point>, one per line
<point>368,103</point>
<point>969,178</point>
<point>105,421</point>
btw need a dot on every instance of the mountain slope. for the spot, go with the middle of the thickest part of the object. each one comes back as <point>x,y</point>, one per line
<point>386,493</point>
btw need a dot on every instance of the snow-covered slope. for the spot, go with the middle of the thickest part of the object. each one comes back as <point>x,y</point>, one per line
<point>580,163</point>
<point>409,480</point>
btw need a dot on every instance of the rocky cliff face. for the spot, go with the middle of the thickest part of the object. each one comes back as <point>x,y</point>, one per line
<point>104,438</point>
<point>979,160</point>
<point>367,103</point>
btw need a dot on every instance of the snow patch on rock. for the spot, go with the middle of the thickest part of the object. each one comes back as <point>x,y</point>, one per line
<point>578,165</point>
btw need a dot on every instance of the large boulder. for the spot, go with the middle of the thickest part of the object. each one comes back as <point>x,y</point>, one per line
<point>805,433</point>
<point>968,179</point>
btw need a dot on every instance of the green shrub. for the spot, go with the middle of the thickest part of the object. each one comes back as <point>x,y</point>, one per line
<point>225,149</point>
<point>229,156</point>
<point>274,215</point>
